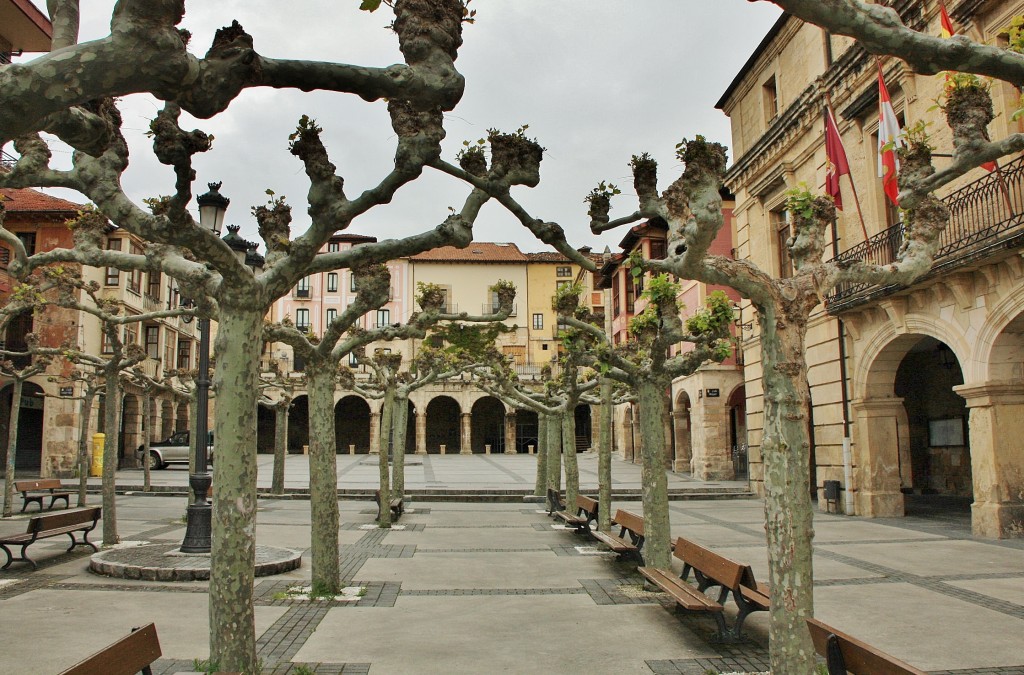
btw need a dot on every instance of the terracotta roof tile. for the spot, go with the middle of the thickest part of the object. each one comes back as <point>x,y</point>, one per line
<point>477,251</point>
<point>32,201</point>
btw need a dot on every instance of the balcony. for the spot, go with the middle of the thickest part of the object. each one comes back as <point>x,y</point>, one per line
<point>301,294</point>
<point>491,309</point>
<point>984,217</point>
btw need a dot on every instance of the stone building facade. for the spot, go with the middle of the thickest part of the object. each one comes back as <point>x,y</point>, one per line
<point>924,384</point>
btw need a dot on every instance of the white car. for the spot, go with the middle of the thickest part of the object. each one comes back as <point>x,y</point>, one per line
<point>173,450</point>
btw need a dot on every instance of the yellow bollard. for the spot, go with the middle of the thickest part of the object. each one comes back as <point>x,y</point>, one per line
<point>96,468</point>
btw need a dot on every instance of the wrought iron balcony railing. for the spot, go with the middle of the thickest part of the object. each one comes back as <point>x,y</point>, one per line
<point>984,215</point>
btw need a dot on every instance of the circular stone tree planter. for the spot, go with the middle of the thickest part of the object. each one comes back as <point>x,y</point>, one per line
<point>164,562</point>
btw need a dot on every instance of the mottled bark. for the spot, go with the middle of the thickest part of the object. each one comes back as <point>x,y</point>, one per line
<point>233,552</point>
<point>323,481</point>
<point>399,424</point>
<point>604,459</point>
<point>280,446</point>
<point>12,445</point>
<point>387,418</point>
<point>788,509</point>
<point>111,433</point>
<point>147,422</point>
<point>85,412</point>
<point>657,533</point>
<point>541,484</point>
<point>572,470</point>
<point>554,454</point>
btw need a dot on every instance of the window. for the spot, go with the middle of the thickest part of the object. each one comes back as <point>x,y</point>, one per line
<point>616,310</point>
<point>153,285</point>
<point>5,256</point>
<point>105,345</point>
<point>659,248</point>
<point>538,321</point>
<point>333,247</point>
<point>563,271</point>
<point>28,240</point>
<point>184,354</point>
<point>629,292</point>
<point>298,363</point>
<point>302,320</point>
<point>152,338</point>
<point>352,283</point>
<point>113,277</point>
<point>168,361</point>
<point>779,222</point>
<point>302,288</point>
<point>562,284</point>
<point>20,325</point>
<point>332,282</point>
<point>383,317</point>
<point>131,336</point>
<point>353,360</point>
<point>332,314</point>
<point>770,96</point>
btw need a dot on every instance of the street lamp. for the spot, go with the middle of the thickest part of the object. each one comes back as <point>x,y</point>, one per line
<point>212,207</point>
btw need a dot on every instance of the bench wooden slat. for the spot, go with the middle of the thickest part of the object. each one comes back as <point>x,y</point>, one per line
<point>36,490</point>
<point>858,657</point>
<point>49,525</point>
<point>614,543</point>
<point>685,595</point>
<point>129,655</point>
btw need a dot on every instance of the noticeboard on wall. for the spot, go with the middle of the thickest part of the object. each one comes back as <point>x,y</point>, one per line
<point>946,432</point>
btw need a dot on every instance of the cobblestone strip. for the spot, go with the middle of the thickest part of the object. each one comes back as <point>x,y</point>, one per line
<point>930,584</point>
<point>173,666</point>
<point>157,532</point>
<point>495,591</point>
<point>25,583</point>
<point>703,666</point>
<point>539,549</point>
<point>406,527</point>
<point>285,637</point>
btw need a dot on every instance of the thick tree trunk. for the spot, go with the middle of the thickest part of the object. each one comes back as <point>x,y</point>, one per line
<point>233,554</point>
<point>280,447</point>
<point>85,411</point>
<point>554,458</point>
<point>111,433</point>
<point>604,459</point>
<point>541,484</point>
<point>399,422</point>
<point>572,469</point>
<point>147,421</point>
<point>323,482</point>
<point>12,446</point>
<point>657,533</point>
<point>387,418</point>
<point>788,514</point>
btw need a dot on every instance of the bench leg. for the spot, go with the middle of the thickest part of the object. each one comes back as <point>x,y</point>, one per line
<point>746,609</point>
<point>10,557</point>
<point>723,632</point>
<point>85,541</point>
<point>22,558</point>
<point>29,500</point>
<point>53,500</point>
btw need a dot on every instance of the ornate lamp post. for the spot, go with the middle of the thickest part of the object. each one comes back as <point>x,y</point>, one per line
<point>212,207</point>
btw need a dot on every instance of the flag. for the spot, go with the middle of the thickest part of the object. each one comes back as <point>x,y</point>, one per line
<point>889,135</point>
<point>947,30</point>
<point>835,157</point>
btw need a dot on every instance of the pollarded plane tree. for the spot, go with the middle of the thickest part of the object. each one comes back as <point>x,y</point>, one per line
<point>150,386</point>
<point>91,385</point>
<point>283,386</point>
<point>692,207</point>
<point>645,364</point>
<point>71,92</point>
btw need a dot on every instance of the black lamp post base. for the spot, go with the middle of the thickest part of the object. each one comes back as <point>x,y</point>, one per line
<point>199,516</point>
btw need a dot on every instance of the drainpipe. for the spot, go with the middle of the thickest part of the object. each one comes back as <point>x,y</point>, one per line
<point>847,442</point>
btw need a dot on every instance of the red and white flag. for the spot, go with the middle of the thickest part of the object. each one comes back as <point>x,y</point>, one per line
<point>835,157</point>
<point>889,135</point>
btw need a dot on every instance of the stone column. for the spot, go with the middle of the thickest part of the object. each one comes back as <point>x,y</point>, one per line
<point>715,460</point>
<point>421,433</point>
<point>878,455</point>
<point>684,452</point>
<point>628,451</point>
<point>374,433</point>
<point>467,434</point>
<point>510,433</point>
<point>997,462</point>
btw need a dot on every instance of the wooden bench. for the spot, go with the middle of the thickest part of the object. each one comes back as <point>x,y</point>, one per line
<point>53,525</point>
<point>848,654</point>
<point>632,526</point>
<point>712,569</point>
<point>586,513</point>
<point>131,654</point>
<point>397,506</point>
<point>687,597</point>
<point>36,490</point>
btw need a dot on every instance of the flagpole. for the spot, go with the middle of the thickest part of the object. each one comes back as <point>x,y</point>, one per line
<point>853,186</point>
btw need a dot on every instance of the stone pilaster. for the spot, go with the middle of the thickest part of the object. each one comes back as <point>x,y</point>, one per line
<point>374,433</point>
<point>421,433</point>
<point>510,433</point>
<point>684,451</point>
<point>877,456</point>
<point>467,434</point>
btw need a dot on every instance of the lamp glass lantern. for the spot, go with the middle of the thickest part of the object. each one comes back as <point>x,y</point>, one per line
<point>212,207</point>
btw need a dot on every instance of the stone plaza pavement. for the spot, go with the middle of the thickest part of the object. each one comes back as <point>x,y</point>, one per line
<point>485,587</point>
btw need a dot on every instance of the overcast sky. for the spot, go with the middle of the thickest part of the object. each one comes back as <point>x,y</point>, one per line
<point>596,80</point>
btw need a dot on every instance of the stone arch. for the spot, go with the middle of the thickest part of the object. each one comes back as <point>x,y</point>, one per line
<point>487,425</point>
<point>682,426</point>
<point>298,424</point>
<point>444,424</point>
<point>737,404</point>
<point>527,430</point>
<point>994,353</point>
<point>28,456</point>
<point>906,396</point>
<point>584,426</point>
<point>352,425</point>
<point>875,371</point>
